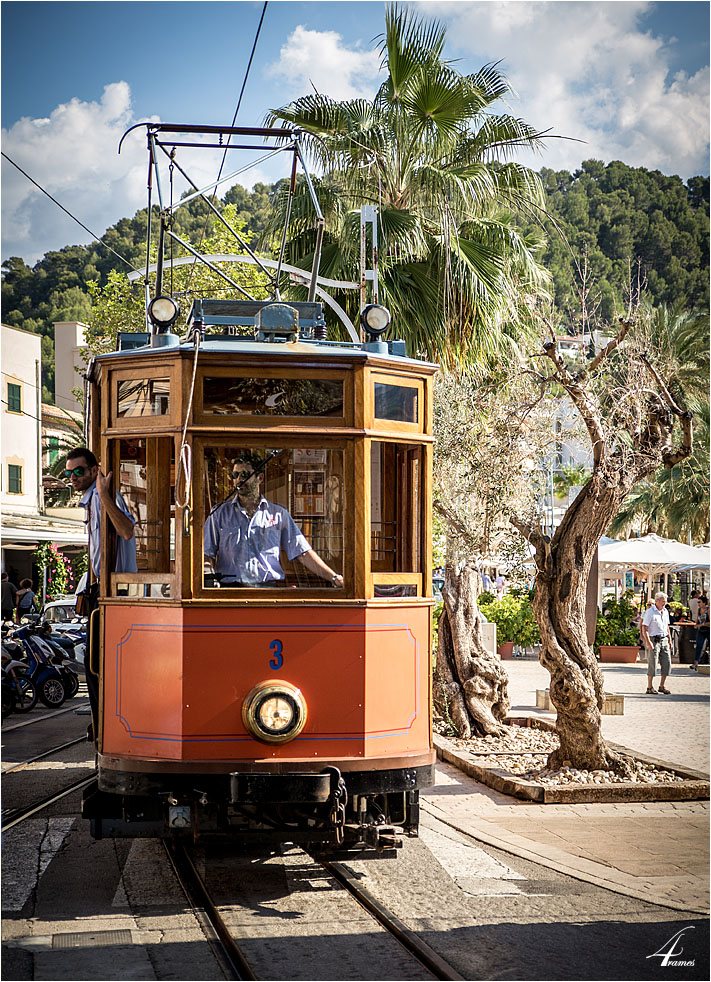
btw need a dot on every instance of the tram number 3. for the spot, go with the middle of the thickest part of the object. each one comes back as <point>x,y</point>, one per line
<point>278,660</point>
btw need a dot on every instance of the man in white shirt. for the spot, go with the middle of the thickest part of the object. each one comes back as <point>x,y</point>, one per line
<point>655,634</point>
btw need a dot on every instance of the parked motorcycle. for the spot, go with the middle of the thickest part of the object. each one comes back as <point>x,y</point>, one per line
<point>19,694</point>
<point>38,654</point>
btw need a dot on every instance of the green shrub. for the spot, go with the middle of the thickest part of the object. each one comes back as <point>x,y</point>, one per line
<point>514,619</point>
<point>615,624</point>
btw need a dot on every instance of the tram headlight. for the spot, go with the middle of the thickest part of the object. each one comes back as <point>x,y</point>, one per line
<point>374,320</point>
<point>274,712</point>
<point>163,312</point>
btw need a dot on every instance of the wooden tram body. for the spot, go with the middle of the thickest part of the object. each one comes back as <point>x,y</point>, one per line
<point>346,430</point>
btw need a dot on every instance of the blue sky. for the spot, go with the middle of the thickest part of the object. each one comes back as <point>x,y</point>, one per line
<point>629,78</point>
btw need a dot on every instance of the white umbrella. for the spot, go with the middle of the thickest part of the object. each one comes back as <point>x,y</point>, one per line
<point>702,561</point>
<point>649,554</point>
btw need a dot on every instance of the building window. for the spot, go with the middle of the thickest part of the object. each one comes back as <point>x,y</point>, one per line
<point>14,479</point>
<point>53,448</point>
<point>14,397</point>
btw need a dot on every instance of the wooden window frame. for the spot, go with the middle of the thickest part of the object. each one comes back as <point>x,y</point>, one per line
<point>20,475</point>
<point>143,425</point>
<point>262,422</point>
<point>111,451</point>
<point>406,382</point>
<point>315,441</point>
<point>16,385</point>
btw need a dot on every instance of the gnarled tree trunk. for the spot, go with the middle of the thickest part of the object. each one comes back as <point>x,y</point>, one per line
<point>471,685</point>
<point>563,562</point>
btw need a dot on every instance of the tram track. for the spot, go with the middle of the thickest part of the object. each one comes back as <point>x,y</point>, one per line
<point>15,816</point>
<point>410,940</point>
<point>224,947</point>
<point>47,753</point>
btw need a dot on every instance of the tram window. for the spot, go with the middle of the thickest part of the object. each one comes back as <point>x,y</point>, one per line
<point>395,402</point>
<point>272,396</point>
<point>394,590</point>
<point>143,397</point>
<point>396,506</point>
<point>273,517</point>
<point>146,478</point>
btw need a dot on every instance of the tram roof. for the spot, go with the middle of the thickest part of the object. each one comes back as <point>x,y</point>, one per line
<point>242,345</point>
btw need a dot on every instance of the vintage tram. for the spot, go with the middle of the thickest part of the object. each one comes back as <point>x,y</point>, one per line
<point>266,670</point>
<point>296,708</point>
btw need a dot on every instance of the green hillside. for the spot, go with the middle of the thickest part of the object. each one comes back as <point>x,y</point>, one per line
<point>615,213</point>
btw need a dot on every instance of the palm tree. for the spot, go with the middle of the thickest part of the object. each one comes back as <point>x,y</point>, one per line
<point>675,503</point>
<point>570,476</point>
<point>458,274</point>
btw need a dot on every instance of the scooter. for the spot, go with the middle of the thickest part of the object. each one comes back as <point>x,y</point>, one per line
<point>63,658</point>
<point>38,655</point>
<point>19,694</point>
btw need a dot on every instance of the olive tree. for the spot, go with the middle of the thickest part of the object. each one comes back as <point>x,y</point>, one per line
<point>635,425</point>
<point>490,435</point>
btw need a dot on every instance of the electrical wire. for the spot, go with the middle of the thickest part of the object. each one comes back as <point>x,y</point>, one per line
<point>67,212</point>
<point>234,120</point>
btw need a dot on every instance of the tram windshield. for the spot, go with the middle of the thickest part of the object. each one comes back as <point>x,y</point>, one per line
<point>273,517</point>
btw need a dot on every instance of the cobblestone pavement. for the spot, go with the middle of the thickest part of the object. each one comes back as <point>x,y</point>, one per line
<point>654,851</point>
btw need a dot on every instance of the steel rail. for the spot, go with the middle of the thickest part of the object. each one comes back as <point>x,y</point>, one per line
<point>31,720</point>
<point>47,753</point>
<point>18,815</point>
<point>224,946</point>
<point>418,948</point>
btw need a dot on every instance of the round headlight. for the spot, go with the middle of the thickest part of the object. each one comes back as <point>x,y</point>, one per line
<point>375,319</point>
<point>274,712</point>
<point>163,311</point>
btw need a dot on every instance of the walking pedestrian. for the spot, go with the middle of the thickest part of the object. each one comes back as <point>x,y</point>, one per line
<point>26,599</point>
<point>655,634</point>
<point>702,633</point>
<point>9,598</point>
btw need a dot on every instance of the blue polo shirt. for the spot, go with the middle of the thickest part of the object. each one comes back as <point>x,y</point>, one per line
<point>246,550</point>
<point>125,548</point>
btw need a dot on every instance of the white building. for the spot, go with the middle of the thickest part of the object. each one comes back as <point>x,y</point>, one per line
<point>69,363</point>
<point>24,521</point>
<point>21,422</point>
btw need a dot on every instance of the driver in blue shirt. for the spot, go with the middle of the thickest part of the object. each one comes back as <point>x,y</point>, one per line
<point>243,537</point>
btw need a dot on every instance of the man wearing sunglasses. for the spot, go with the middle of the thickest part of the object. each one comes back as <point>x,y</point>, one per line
<point>85,475</point>
<point>244,536</point>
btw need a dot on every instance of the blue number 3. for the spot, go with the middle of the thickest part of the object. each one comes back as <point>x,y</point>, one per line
<point>277,661</point>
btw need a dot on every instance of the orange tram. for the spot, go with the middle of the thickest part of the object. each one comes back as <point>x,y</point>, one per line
<point>293,709</point>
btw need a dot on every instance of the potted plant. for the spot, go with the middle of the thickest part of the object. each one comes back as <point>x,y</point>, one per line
<point>515,623</point>
<point>616,635</point>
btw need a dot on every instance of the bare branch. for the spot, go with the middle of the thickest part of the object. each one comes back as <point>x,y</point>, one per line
<point>581,399</point>
<point>668,398</point>
<point>607,350</point>
<point>670,459</point>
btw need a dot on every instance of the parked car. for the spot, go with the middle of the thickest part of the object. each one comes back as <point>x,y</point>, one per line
<point>61,613</point>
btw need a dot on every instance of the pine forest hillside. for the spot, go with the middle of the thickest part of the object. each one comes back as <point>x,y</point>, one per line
<point>614,214</point>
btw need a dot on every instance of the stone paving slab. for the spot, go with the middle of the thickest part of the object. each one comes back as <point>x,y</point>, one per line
<point>652,851</point>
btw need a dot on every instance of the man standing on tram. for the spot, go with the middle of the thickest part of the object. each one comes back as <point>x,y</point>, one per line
<point>244,535</point>
<point>85,475</point>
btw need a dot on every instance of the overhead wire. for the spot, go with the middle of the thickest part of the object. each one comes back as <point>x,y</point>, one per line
<point>234,120</point>
<point>67,212</point>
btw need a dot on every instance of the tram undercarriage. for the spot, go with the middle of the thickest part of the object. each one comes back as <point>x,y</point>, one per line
<point>325,811</point>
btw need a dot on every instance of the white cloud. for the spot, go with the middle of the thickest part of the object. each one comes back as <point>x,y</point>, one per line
<point>589,71</point>
<point>320,59</point>
<point>73,155</point>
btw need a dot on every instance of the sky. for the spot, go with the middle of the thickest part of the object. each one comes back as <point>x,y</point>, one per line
<point>630,79</point>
